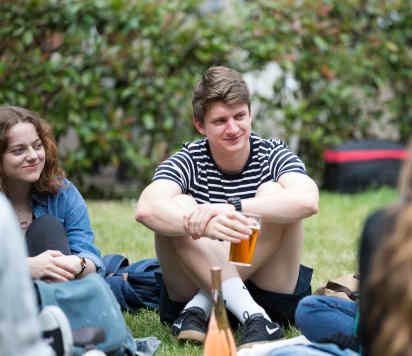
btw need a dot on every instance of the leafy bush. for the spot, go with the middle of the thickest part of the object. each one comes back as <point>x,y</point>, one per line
<point>120,73</point>
<point>343,55</point>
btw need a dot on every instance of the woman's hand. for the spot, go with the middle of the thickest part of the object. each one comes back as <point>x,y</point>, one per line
<point>53,266</point>
<point>70,263</point>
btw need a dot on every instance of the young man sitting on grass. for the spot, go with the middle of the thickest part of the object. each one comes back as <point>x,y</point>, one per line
<point>194,206</point>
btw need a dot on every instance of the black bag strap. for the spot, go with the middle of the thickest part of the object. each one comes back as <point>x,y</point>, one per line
<point>340,288</point>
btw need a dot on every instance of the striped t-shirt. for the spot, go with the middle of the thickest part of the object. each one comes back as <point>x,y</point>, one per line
<point>195,171</point>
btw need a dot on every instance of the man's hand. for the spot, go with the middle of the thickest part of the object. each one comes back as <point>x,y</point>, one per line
<point>54,266</point>
<point>230,226</point>
<point>195,223</point>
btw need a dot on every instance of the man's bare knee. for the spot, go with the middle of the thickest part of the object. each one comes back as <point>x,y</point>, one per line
<point>179,285</point>
<point>279,260</point>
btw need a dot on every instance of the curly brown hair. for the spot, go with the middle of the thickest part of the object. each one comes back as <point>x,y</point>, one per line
<point>51,178</point>
<point>389,292</point>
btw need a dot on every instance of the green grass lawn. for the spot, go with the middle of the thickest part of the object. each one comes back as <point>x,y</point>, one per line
<point>331,239</point>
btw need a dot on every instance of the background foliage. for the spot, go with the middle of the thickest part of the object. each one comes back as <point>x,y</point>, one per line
<point>120,73</point>
<point>352,61</point>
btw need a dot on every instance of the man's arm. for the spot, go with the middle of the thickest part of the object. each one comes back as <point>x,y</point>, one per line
<point>295,196</point>
<point>163,208</point>
<point>160,209</point>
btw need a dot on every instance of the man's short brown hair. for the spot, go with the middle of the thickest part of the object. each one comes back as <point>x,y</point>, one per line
<point>219,84</point>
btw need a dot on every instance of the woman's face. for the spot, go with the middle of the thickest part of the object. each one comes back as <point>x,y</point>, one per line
<point>24,159</point>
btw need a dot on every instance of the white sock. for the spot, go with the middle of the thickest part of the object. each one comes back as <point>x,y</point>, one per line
<point>239,301</point>
<point>201,300</point>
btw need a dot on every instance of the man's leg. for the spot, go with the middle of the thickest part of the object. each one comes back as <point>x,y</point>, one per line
<point>277,254</point>
<point>197,257</point>
<point>188,279</point>
<point>276,280</point>
<point>275,266</point>
<point>277,258</point>
<point>180,286</point>
<point>186,262</point>
<point>274,274</point>
<point>258,324</point>
<point>186,266</point>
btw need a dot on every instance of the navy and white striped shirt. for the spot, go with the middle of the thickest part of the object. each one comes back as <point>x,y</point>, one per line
<point>195,171</point>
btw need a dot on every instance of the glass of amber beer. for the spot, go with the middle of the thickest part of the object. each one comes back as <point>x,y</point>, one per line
<point>241,253</point>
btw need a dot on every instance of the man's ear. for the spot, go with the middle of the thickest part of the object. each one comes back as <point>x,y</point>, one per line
<point>199,125</point>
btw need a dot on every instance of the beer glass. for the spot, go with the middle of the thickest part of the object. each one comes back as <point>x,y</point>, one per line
<point>241,253</point>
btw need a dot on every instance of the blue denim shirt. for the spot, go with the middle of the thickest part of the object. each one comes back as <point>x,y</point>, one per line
<point>69,207</point>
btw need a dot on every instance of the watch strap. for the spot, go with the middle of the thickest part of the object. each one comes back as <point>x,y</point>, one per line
<point>83,265</point>
<point>236,202</point>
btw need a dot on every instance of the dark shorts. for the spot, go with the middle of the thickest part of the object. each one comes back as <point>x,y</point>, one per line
<point>279,306</point>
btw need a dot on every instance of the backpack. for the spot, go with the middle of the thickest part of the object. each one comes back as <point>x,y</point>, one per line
<point>134,285</point>
<point>89,303</point>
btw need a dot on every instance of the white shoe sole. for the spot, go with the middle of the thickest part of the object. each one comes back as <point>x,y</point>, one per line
<point>52,317</point>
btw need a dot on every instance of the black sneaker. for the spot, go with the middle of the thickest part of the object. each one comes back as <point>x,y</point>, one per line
<point>257,329</point>
<point>190,325</point>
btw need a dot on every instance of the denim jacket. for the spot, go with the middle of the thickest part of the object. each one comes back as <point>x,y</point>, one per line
<point>69,207</point>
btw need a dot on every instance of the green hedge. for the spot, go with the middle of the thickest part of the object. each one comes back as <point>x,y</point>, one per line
<point>344,55</point>
<point>121,72</point>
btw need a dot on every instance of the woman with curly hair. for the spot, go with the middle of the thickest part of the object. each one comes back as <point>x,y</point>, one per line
<point>50,209</point>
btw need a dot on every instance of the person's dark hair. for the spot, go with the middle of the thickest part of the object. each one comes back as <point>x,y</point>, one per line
<point>388,293</point>
<point>385,262</point>
<point>51,179</point>
<point>219,84</point>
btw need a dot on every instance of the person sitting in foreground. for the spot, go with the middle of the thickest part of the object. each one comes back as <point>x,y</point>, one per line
<point>49,208</point>
<point>385,324</point>
<point>330,319</point>
<point>21,326</point>
<point>194,206</point>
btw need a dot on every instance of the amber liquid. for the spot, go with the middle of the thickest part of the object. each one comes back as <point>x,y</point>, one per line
<point>242,252</point>
<point>219,339</point>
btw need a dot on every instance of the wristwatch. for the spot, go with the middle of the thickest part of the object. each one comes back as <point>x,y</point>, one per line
<point>236,202</point>
<point>83,265</point>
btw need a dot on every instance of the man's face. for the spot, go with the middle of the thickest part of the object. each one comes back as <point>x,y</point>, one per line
<point>227,127</point>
